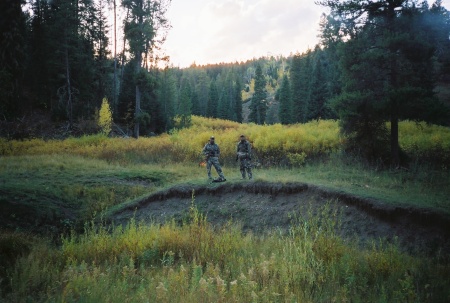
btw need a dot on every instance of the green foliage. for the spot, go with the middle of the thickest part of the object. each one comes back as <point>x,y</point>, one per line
<point>213,101</point>
<point>387,70</point>
<point>296,159</point>
<point>285,109</point>
<point>143,118</point>
<point>300,67</point>
<point>12,55</point>
<point>259,105</point>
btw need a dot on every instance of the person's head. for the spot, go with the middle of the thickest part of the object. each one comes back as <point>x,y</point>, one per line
<point>242,138</point>
<point>211,139</point>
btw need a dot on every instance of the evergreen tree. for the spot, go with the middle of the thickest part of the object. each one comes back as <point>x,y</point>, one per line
<point>145,19</point>
<point>258,107</point>
<point>299,87</point>
<point>213,100</point>
<point>127,95</point>
<point>285,100</point>
<point>223,106</point>
<point>12,56</point>
<point>319,91</point>
<point>237,100</point>
<point>202,89</point>
<point>167,95</point>
<point>387,71</point>
<point>185,106</point>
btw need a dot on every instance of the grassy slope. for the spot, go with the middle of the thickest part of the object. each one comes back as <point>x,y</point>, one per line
<point>41,191</point>
<point>194,263</point>
<point>60,190</point>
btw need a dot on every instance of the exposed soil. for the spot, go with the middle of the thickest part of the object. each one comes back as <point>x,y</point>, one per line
<point>262,206</point>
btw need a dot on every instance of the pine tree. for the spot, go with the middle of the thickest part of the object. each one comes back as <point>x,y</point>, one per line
<point>146,18</point>
<point>167,95</point>
<point>237,93</point>
<point>213,100</point>
<point>185,106</point>
<point>12,56</point>
<point>202,89</point>
<point>285,100</point>
<point>319,91</point>
<point>299,75</point>
<point>258,107</point>
<point>387,70</point>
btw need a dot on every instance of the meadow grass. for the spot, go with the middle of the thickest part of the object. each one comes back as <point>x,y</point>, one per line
<point>68,190</point>
<point>195,262</point>
<point>419,187</point>
<point>73,180</point>
<point>272,144</point>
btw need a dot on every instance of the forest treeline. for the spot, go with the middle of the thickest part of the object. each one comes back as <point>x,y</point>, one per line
<point>377,62</point>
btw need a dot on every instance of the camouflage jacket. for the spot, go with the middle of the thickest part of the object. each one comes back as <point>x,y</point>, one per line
<point>211,150</point>
<point>244,147</point>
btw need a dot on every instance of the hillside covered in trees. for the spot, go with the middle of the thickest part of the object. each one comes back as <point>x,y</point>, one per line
<point>378,62</point>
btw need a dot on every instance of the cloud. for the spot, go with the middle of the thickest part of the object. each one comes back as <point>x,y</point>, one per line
<point>237,30</point>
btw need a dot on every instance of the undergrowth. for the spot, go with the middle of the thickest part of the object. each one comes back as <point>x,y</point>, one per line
<point>195,262</point>
<point>287,145</point>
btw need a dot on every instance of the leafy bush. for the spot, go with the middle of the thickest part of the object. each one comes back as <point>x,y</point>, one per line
<point>105,117</point>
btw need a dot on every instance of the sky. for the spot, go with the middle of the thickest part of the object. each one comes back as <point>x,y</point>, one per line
<point>224,31</point>
<point>216,31</point>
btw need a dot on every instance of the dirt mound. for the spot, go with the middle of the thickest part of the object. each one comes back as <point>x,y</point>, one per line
<point>263,206</point>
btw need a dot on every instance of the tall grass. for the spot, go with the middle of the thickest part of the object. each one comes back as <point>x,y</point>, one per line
<point>195,262</point>
<point>273,144</point>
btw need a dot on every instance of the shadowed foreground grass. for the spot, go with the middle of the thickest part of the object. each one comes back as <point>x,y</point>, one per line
<point>196,263</point>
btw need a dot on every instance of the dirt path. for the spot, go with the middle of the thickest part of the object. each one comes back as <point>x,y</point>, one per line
<point>262,206</point>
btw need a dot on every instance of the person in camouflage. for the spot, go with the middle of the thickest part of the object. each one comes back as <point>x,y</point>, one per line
<point>244,155</point>
<point>212,153</point>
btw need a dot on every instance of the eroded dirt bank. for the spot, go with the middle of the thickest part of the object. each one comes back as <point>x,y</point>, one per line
<point>262,206</point>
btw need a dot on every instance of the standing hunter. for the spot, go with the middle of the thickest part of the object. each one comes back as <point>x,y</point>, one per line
<point>212,153</point>
<point>244,155</point>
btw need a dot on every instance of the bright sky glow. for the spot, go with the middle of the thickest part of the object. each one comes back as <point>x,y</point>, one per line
<point>215,31</point>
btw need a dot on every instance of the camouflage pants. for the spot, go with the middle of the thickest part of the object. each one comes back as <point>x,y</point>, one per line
<point>214,161</point>
<point>246,166</point>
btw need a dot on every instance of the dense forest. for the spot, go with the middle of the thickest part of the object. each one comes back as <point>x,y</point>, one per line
<point>377,63</point>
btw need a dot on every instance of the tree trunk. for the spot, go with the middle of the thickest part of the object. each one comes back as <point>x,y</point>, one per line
<point>138,101</point>
<point>115,62</point>
<point>395,150</point>
<point>69,89</point>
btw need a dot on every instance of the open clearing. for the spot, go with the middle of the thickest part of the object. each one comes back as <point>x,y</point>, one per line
<point>266,206</point>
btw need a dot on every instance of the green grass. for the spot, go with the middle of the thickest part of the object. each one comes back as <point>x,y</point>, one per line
<point>419,187</point>
<point>69,190</point>
<point>196,263</point>
<point>65,189</point>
